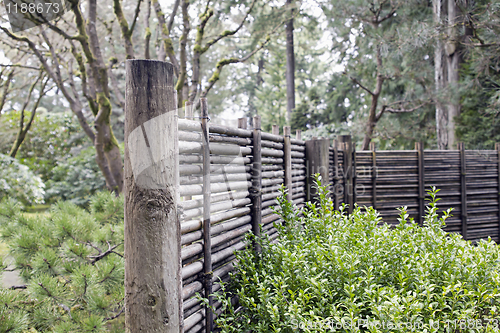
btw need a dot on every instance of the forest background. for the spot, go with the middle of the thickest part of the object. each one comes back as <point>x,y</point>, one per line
<point>391,72</point>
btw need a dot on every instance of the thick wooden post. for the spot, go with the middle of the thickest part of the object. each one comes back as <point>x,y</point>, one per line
<point>276,130</point>
<point>463,188</point>
<point>336,184</point>
<point>207,243</point>
<point>317,159</point>
<point>256,190</point>
<point>374,175</point>
<point>287,150</point>
<point>152,231</point>
<point>348,172</point>
<point>419,146</point>
<point>298,134</point>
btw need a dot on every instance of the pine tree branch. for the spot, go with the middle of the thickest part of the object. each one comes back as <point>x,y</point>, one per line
<point>103,254</point>
<point>353,79</point>
<point>228,32</point>
<point>15,287</point>
<point>117,315</point>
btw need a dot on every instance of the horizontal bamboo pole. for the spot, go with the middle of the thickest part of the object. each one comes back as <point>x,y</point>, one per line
<point>214,178</point>
<point>270,152</point>
<point>296,154</point>
<point>269,196</point>
<point>216,207</point>
<point>185,205</point>
<point>272,160</point>
<point>189,190</point>
<point>198,169</point>
<point>271,137</point>
<point>298,142</point>
<point>273,174</point>
<point>187,147</point>
<point>270,182</point>
<point>191,289</point>
<point>298,148</point>
<point>185,159</point>
<point>194,225</point>
<point>197,137</point>
<point>270,189</point>
<point>270,144</point>
<point>197,248</point>
<point>189,125</point>
<point>230,225</point>
<point>272,167</point>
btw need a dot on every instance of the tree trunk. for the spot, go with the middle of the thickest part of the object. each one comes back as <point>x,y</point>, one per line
<point>440,79</point>
<point>453,64</point>
<point>372,116</point>
<point>5,90</point>
<point>290,66</point>
<point>447,61</point>
<point>180,85</point>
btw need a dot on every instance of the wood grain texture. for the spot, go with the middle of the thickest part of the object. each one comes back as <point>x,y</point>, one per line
<point>152,232</point>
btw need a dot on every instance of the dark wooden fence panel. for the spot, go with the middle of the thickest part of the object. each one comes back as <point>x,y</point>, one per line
<point>364,185</point>
<point>482,194</point>
<point>442,170</point>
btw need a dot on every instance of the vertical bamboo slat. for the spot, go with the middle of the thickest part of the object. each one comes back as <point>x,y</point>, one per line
<point>256,190</point>
<point>419,146</point>
<point>298,134</point>
<point>207,243</point>
<point>287,150</point>
<point>463,188</point>
<point>348,172</point>
<point>336,175</point>
<point>374,175</point>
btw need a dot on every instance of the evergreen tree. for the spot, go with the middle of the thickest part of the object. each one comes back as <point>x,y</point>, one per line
<point>71,261</point>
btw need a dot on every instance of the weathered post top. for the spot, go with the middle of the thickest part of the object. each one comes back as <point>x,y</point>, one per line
<point>152,232</point>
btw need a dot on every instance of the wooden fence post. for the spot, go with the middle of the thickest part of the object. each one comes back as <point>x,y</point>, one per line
<point>463,189</point>
<point>348,172</point>
<point>188,112</point>
<point>317,159</point>
<point>298,134</point>
<point>256,190</point>
<point>153,281</point>
<point>287,160</point>
<point>374,175</point>
<point>275,130</point>
<point>335,175</point>
<point>419,146</point>
<point>207,242</point>
<point>242,123</point>
<point>497,148</point>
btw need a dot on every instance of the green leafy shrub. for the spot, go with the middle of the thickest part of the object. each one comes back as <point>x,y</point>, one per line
<point>71,261</point>
<point>17,181</point>
<point>76,179</point>
<point>332,272</point>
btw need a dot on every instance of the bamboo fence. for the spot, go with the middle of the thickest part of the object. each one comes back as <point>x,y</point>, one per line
<point>227,183</point>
